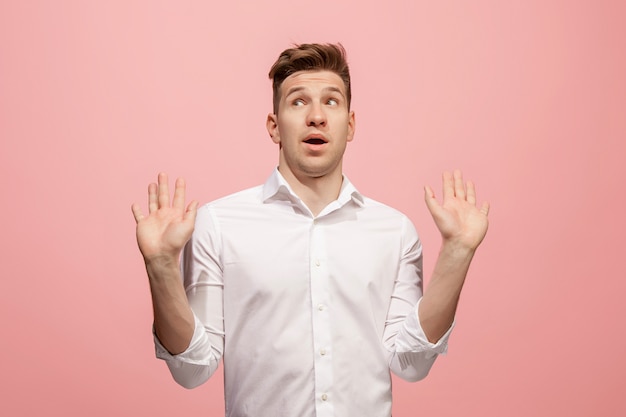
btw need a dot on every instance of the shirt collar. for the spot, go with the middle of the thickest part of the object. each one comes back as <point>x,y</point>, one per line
<point>277,188</point>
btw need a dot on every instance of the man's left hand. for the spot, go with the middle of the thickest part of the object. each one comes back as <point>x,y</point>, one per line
<point>458,218</point>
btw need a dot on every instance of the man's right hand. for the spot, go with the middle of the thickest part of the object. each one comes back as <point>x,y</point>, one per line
<point>166,229</point>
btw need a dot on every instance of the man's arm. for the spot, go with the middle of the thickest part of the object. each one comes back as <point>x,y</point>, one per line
<point>462,226</point>
<point>161,236</point>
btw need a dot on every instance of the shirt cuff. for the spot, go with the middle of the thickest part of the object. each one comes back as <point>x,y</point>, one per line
<point>195,352</point>
<point>412,338</point>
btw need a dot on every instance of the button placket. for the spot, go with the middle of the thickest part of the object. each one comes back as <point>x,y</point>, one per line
<point>321,312</point>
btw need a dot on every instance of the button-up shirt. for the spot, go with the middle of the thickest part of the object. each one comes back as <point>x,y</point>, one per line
<point>309,313</point>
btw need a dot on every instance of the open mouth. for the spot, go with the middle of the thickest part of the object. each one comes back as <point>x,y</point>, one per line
<point>315,140</point>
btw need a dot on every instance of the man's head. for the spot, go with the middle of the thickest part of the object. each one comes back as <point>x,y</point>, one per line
<point>310,57</point>
<point>312,121</point>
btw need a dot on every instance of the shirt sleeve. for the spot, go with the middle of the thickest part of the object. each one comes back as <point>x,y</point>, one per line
<point>203,282</point>
<point>411,355</point>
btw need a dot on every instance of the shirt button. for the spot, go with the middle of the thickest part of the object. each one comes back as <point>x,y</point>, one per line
<point>321,307</point>
<point>317,262</point>
<point>324,397</point>
<point>322,351</point>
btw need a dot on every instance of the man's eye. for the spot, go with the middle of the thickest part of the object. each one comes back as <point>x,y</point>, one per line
<point>332,102</point>
<point>298,102</point>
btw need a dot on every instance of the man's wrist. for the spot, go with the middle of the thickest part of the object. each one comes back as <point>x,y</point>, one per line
<point>457,250</point>
<point>161,263</point>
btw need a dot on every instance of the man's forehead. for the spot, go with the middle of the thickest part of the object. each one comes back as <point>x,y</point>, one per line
<point>313,79</point>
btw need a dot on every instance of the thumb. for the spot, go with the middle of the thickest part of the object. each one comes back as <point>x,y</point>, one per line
<point>429,198</point>
<point>190,213</point>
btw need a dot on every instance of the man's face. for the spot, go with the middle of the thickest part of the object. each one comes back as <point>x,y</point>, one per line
<point>313,125</point>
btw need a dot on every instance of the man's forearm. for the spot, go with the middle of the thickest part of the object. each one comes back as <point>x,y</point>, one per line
<point>173,318</point>
<point>438,306</point>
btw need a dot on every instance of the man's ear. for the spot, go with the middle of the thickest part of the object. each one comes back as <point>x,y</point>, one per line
<point>272,127</point>
<point>351,126</point>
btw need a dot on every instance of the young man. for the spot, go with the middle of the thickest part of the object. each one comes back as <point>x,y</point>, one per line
<point>309,291</point>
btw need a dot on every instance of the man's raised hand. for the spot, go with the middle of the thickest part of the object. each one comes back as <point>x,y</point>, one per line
<point>166,229</point>
<point>458,218</point>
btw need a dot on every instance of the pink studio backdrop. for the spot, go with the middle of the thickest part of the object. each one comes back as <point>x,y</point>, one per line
<point>528,98</point>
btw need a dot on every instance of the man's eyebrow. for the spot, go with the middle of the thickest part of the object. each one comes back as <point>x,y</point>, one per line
<point>294,90</point>
<point>334,89</point>
<point>325,89</point>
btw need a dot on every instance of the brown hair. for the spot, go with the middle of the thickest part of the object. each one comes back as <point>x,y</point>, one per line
<point>310,57</point>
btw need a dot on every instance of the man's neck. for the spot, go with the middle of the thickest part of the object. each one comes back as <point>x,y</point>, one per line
<point>315,192</point>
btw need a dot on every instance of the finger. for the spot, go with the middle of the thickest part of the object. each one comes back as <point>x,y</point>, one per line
<point>137,212</point>
<point>429,194</point>
<point>429,198</point>
<point>459,187</point>
<point>485,208</point>
<point>448,185</point>
<point>190,213</point>
<point>164,192</point>
<point>471,193</point>
<point>153,204</point>
<point>179,194</point>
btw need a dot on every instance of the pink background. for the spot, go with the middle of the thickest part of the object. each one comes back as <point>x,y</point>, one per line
<point>528,98</point>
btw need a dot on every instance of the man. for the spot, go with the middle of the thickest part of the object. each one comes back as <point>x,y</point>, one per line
<point>309,291</point>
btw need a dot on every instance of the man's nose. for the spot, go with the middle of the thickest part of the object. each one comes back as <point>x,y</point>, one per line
<point>316,116</point>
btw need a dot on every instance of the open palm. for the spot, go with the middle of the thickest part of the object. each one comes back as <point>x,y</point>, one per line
<point>167,227</point>
<point>457,217</point>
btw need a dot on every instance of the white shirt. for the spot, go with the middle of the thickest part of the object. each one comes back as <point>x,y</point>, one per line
<point>309,313</point>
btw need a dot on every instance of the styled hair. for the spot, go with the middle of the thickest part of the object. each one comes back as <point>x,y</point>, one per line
<point>310,57</point>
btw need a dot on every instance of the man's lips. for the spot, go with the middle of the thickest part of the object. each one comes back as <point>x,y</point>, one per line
<point>315,140</point>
